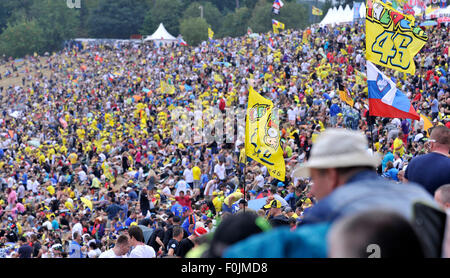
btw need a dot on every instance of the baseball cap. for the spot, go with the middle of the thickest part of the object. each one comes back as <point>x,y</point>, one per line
<point>273,204</point>
<point>200,231</point>
<point>243,201</point>
<point>338,148</point>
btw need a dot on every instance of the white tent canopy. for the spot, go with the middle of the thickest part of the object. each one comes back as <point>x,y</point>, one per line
<point>348,14</point>
<point>362,11</point>
<point>161,36</point>
<point>327,18</point>
<point>340,15</point>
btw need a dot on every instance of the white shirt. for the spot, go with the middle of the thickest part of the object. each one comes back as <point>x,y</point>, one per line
<point>166,191</point>
<point>77,228</point>
<point>82,176</point>
<point>94,253</point>
<point>142,251</point>
<point>220,171</point>
<point>48,225</point>
<point>110,254</point>
<point>260,180</point>
<point>291,114</point>
<point>188,176</point>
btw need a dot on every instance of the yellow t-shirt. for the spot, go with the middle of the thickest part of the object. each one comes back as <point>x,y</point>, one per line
<point>196,172</point>
<point>398,146</point>
<point>233,197</point>
<point>242,156</point>
<point>73,157</point>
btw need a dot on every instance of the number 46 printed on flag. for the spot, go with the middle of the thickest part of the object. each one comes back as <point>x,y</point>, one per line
<point>393,48</point>
<point>391,39</point>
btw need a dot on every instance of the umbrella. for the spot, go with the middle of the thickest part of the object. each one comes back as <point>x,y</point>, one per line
<point>147,232</point>
<point>34,143</point>
<point>428,23</point>
<point>257,203</point>
<point>87,202</point>
<point>15,114</point>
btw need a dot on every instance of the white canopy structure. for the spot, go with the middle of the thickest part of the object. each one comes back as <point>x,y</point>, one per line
<point>340,15</point>
<point>327,18</point>
<point>362,11</point>
<point>348,14</point>
<point>161,36</point>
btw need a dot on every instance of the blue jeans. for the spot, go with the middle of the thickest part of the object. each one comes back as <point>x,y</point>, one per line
<point>226,208</point>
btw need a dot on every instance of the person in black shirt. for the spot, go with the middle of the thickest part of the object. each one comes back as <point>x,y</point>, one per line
<point>173,243</point>
<point>36,245</point>
<point>156,239</point>
<point>172,222</point>
<point>25,250</point>
<point>188,243</point>
<point>144,203</point>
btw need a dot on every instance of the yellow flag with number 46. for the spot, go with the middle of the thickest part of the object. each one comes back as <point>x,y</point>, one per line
<point>262,135</point>
<point>392,40</point>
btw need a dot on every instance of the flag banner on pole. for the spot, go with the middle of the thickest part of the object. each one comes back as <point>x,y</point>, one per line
<point>262,135</point>
<point>385,100</point>
<point>356,8</point>
<point>166,88</point>
<point>210,33</point>
<point>277,25</point>
<point>277,4</point>
<point>182,42</point>
<point>427,124</point>
<point>345,96</point>
<point>316,11</point>
<point>392,40</point>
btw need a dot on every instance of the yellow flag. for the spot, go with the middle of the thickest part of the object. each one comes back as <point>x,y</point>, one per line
<point>316,11</point>
<point>391,39</point>
<point>166,88</point>
<point>344,95</point>
<point>426,124</point>
<point>262,135</point>
<point>210,33</point>
<point>277,25</point>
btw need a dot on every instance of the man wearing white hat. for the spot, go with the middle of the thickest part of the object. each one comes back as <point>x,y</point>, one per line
<point>345,181</point>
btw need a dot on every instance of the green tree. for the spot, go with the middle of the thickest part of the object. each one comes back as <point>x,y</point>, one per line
<point>248,4</point>
<point>117,19</point>
<point>235,24</point>
<point>194,30</point>
<point>24,37</point>
<point>261,19</point>
<point>210,13</point>
<point>56,21</point>
<point>294,15</point>
<point>226,6</point>
<point>167,12</point>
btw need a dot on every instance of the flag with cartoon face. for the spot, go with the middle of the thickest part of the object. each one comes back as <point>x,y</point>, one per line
<point>262,135</point>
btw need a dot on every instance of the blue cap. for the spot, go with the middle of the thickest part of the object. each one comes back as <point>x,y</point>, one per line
<point>280,184</point>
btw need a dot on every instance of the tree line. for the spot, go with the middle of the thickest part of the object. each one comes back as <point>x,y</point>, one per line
<point>29,26</point>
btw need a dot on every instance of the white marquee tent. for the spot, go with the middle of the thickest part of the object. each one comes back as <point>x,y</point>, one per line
<point>341,15</point>
<point>161,36</point>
